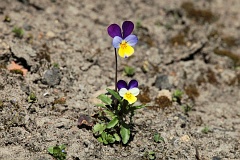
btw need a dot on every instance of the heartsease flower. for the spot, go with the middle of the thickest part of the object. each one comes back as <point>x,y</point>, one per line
<point>123,40</point>
<point>128,92</point>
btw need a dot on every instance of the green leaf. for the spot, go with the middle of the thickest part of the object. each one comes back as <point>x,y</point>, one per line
<point>151,155</point>
<point>62,146</point>
<point>32,98</point>
<point>101,105</point>
<point>105,99</point>
<point>206,129</point>
<point>125,134</point>
<point>129,71</point>
<point>112,123</point>
<point>110,138</point>
<point>115,94</point>
<point>105,141</point>
<point>56,150</point>
<point>157,137</point>
<point>139,107</point>
<point>109,114</point>
<point>186,108</point>
<point>99,128</point>
<point>178,94</point>
<point>18,31</point>
<point>100,139</point>
<point>104,137</point>
<point>133,108</point>
<point>50,150</point>
<point>107,138</point>
<point>117,137</point>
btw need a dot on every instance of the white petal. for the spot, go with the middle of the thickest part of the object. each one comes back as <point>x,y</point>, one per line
<point>122,91</point>
<point>134,91</point>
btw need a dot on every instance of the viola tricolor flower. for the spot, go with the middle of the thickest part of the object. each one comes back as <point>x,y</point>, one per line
<point>128,92</point>
<point>123,40</point>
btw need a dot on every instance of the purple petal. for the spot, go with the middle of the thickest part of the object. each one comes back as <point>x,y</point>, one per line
<point>131,40</point>
<point>114,30</point>
<point>116,41</point>
<point>127,27</point>
<point>133,84</point>
<point>121,84</point>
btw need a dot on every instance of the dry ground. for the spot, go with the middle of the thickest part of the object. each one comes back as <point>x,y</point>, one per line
<point>188,45</point>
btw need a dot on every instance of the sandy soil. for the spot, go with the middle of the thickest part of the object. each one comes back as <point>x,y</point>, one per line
<point>188,45</point>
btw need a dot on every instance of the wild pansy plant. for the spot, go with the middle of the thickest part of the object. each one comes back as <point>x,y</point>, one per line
<point>117,109</point>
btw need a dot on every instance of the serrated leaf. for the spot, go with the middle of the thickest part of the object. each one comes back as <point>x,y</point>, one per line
<point>115,94</point>
<point>50,150</point>
<point>99,128</point>
<point>105,99</point>
<point>112,123</point>
<point>117,137</point>
<point>125,134</point>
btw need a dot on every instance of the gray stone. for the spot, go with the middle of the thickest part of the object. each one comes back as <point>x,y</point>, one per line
<point>52,77</point>
<point>162,82</point>
<point>25,51</point>
<point>216,158</point>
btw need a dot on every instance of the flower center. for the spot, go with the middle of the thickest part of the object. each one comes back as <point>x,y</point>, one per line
<point>123,44</point>
<point>128,95</point>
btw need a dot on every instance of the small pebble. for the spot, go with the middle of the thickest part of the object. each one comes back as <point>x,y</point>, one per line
<point>162,82</point>
<point>52,77</point>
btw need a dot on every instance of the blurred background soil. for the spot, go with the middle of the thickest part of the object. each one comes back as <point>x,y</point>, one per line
<point>56,57</point>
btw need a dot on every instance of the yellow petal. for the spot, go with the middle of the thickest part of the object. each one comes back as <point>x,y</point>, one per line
<point>121,52</point>
<point>130,97</point>
<point>125,50</point>
<point>129,51</point>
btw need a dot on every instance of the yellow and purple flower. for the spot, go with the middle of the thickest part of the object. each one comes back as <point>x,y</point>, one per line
<point>128,91</point>
<point>123,40</point>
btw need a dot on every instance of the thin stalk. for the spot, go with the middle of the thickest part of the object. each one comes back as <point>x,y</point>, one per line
<point>115,100</point>
<point>115,69</point>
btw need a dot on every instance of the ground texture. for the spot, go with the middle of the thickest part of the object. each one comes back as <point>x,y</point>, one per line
<point>188,45</point>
